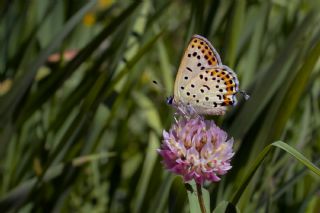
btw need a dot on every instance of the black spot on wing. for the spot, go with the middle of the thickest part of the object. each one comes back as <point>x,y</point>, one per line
<point>206,86</point>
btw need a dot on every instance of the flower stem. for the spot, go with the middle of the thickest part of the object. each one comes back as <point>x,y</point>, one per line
<point>200,198</point>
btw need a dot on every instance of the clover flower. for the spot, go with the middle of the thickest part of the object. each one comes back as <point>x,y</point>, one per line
<point>197,149</point>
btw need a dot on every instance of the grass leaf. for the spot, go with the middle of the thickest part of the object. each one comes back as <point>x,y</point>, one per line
<point>262,155</point>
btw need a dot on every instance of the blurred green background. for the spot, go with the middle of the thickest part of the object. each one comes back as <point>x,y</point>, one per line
<point>80,119</point>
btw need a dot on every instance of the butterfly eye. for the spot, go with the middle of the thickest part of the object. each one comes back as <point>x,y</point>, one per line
<point>170,100</point>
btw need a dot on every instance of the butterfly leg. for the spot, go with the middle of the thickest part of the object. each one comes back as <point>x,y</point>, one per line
<point>183,111</point>
<point>192,112</point>
<point>175,117</point>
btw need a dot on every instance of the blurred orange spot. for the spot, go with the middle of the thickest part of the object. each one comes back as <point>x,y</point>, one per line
<point>104,3</point>
<point>37,166</point>
<point>89,19</point>
<point>5,86</point>
<point>67,56</point>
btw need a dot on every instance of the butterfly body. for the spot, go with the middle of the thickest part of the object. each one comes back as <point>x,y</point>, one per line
<point>203,84</point>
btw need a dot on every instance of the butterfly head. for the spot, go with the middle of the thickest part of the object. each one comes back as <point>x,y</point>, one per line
<point>244,94</point>
<point>170,100</point>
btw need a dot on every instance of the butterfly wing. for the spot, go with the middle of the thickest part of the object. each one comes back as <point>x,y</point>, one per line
<point>211,90</point>
<point>198,56</point>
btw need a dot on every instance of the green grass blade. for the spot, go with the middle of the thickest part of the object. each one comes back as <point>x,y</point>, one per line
<point>16,196</point>
<point>225,207</point>
<point>165,66</point>
<point>296,90</point>
<point>131,63</point>
<point>149,109</point>
<point>178,195</point>
<point>284,104</point>
<point>290,183</point>
<point>16,60</point>
<point>297,155</point>
<point>58,78</point>
<point>255,49</point>
<point>121,74</point>
<point>158,203</point>
<point>262,155</point>
<point>9,102</point>
<point>233,32</point>
<point>149,163</point>
<point>269,82</point>
<point>193,199</point>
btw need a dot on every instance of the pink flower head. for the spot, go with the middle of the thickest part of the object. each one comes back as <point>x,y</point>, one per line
<point>197,149</point>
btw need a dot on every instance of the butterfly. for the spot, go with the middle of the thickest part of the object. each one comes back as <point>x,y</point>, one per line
<point>203,84</point>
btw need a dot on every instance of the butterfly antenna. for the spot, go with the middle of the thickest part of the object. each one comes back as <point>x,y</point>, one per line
<point>159,86</point>
<point>245,95</point>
